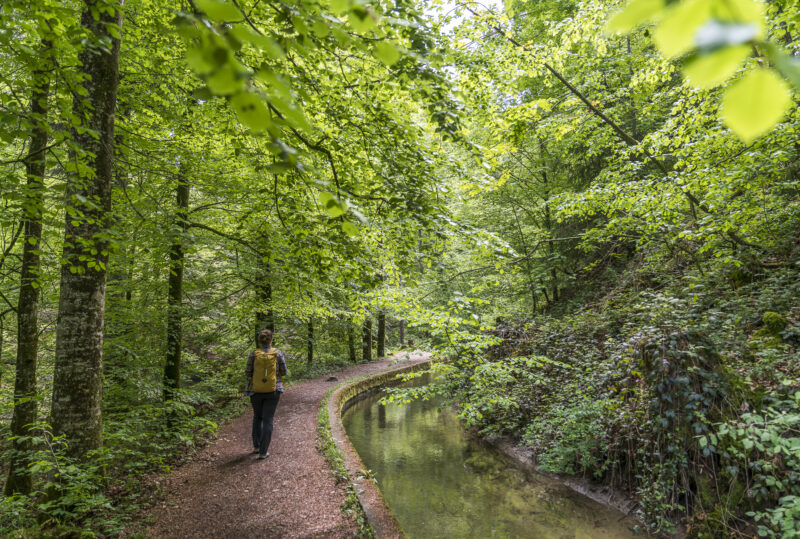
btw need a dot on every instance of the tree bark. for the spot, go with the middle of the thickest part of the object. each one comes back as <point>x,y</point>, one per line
<point>2,333</point>
<point>77,381</point>
<point>351,342</point>
<point>366,341</point>
<point>548,223</point>
<point>381,334</point>
<point>527,253</point>
<point>172,367</point>
<point>265,318</point>
<point>310,340</point>
<point>24,415</point>
<point>402,333</point>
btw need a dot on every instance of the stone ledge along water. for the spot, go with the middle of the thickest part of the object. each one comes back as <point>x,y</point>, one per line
<point>441,482</point>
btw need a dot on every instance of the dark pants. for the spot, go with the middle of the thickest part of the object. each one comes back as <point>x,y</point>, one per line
<point>264,405</point>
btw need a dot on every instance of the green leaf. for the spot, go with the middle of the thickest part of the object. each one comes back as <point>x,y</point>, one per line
<point>742,11</point>
<point>198,61</point>
<point>709,70</point>
<point>788,66</point>
<point>299,25</point>
<point>252,111</point>
<point>675,34</point>
<point>278,88</point>
<point>218,10</point>
<point>755,103</point>
<point>292,114</point>
<point>263,42</point>
<point>338,6</point>
<point>321,29</point>
<point>332,206</point>
<point>349,228</point>
<point>362,19</point>
<point>225,81</point>
<point>386,53</point>
<point>635,13</point>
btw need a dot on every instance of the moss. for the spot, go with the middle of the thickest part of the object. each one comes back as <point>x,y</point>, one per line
<point>769,336</point>
<point>774,323</point>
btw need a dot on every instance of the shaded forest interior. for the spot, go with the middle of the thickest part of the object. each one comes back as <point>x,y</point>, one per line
<point>589,210</point>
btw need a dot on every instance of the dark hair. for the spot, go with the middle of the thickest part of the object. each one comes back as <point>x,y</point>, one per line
<point>264,338</point>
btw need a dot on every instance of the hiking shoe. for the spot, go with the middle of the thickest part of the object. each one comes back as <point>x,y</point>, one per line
<point>262,457</point>
<point>255,450</point>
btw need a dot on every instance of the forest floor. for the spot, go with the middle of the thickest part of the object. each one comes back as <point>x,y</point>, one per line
<point>224,491</point>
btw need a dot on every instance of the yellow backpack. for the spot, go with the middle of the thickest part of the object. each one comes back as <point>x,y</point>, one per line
<point>265,366</point>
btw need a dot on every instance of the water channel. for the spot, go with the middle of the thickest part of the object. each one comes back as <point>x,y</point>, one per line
<point>440,482</point>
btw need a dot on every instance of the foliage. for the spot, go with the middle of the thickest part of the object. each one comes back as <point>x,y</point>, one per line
<point>720,36</point>
<point>608,272</point>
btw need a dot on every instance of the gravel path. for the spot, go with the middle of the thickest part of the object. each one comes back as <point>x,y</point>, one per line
<point>225,492</point>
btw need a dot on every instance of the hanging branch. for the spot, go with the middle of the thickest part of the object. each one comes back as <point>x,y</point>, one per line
<point>628,139</point>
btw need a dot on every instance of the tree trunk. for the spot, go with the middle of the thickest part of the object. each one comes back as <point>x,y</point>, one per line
<point>351,342</point>
<point>548,224</point>
<point>402,333</point>
<point>19,480</point>
<point>2,330</point>
<point>77,380</point>
<point>172,367</point>
<point>632,96</point>
<point>366,342</point>
<point>265,318</point>
<point>381,334</point>
<point>527,255</point>
<point>310,340</point>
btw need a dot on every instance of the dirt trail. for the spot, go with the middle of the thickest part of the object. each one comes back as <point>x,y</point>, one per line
<point>225,492</point>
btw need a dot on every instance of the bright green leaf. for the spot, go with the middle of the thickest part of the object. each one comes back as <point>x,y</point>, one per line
<point>742,11</point>
<point>362,19</point>
<point>755,103</point>
<point>218,10</point>
<point>300,25</point>
<point>321,29</point>
<point>386,53</point>
<point>349,228</point>
<point>787,65</point>
<point>635,13</point>
<point>337,6</point>
<point>675,33</point>
<point>198,61</point>
<point>263,42</point>
<point>225,81</point>
<point>709,70</point>
<point>251,111</point>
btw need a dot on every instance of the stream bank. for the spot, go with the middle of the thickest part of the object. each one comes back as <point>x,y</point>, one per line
<point>421,456</point>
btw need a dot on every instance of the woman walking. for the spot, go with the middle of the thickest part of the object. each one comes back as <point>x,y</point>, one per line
<point>265,367</point>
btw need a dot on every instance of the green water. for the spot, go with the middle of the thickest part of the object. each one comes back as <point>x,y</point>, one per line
<point>439,482</point>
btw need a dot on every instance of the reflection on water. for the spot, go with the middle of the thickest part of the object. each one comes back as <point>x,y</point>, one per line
<point>441,483</point>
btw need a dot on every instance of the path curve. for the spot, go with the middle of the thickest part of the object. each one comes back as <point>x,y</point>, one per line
<point>225,492</point>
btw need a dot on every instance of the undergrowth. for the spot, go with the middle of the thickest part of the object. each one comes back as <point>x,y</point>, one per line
<point>688,397</point>
<point>107,492</point>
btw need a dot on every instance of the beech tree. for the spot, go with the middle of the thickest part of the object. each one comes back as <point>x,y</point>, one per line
<point>78,376</point>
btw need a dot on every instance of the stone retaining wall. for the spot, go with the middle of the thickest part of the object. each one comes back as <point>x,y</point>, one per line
<point>383,522</point>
